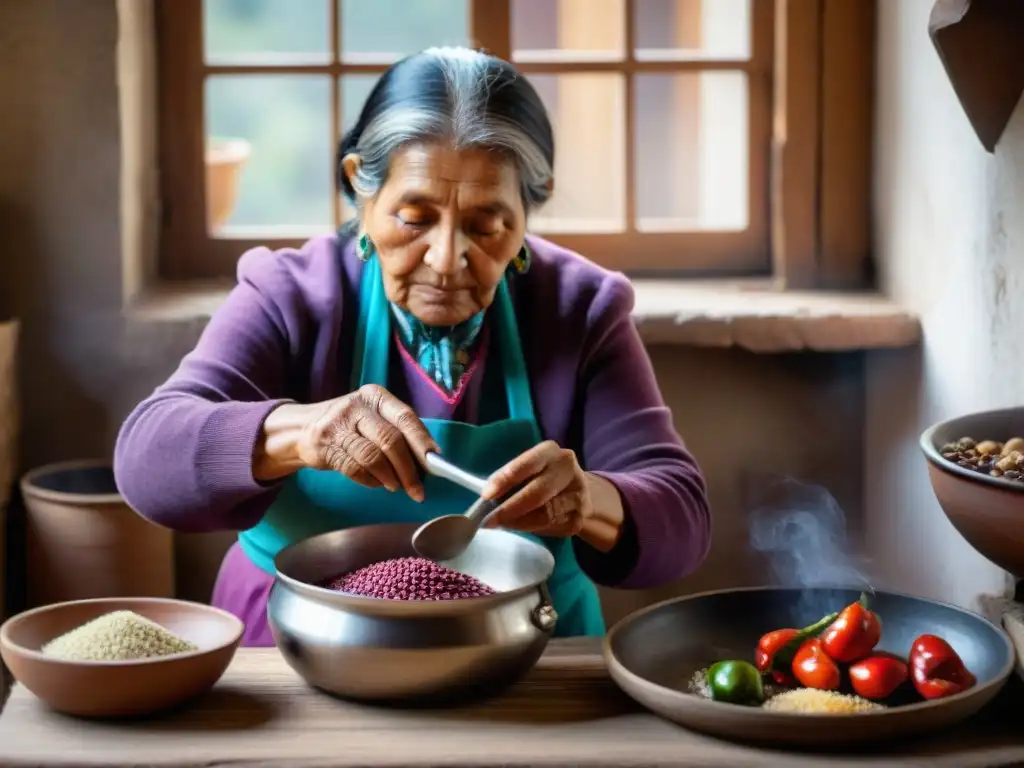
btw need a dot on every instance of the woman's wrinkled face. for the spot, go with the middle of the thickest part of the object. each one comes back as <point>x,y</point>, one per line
<point>446,225</point>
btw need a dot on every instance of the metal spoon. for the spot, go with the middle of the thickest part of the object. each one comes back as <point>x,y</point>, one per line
<point>448,536</point>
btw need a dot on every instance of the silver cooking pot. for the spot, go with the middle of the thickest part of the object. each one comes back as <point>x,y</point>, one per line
<point>407,651</point>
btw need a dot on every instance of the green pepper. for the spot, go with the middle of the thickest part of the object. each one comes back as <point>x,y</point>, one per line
<point>783,658</point>
<point>737,682</point>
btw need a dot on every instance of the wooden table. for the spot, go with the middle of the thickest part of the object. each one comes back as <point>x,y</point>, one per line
<point>567,712</point>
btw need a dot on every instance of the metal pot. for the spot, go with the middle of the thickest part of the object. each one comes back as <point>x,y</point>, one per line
<point>411,651</point>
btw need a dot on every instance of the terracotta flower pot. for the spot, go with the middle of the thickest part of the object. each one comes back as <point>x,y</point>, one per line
<point>8,421</point>
<point>8,449</point>
<point>8,434</point>
<point>84,541</point>
<point>225,159</point>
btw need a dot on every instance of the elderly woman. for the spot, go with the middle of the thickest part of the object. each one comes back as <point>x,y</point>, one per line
<point>315,392</point>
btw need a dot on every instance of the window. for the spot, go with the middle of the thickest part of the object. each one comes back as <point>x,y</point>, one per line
<point>690,134</point>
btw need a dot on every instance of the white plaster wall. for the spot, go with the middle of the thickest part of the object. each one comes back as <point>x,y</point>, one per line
<point>949,240</point>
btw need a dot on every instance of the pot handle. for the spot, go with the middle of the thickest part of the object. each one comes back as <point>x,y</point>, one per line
<point>544,616</point>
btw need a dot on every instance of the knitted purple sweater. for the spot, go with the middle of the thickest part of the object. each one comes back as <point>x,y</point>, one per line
<point>184,456</point>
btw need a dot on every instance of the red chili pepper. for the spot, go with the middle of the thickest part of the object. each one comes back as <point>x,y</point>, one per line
<point>877,676</point>
<point>936,669</point>
<point>780,646</point>
<point>854,634</point>
<point>813,668</point>
<point>767,647</point>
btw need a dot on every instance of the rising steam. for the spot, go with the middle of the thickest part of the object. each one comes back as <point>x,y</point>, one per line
<point>802,532</point>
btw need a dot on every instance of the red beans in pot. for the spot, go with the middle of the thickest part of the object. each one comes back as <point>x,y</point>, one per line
<point>409,578</point>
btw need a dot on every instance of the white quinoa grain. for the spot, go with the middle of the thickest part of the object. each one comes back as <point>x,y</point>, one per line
<point>117,636</point>
<point>809,701</point>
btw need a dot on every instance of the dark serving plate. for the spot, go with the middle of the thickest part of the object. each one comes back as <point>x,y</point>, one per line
<point>653,653</point>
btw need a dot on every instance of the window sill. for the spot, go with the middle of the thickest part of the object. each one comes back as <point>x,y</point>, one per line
<point>753,315</point>
<point>761,317</point>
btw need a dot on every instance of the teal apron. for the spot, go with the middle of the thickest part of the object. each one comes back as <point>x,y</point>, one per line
<point>312,502</point>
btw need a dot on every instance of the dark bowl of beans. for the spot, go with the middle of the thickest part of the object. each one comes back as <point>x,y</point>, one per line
<point>357,614</point>
<point>976,467</point>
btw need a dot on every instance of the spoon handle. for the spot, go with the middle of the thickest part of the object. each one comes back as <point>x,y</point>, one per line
<point>480,510</point>
<point>444,468</point>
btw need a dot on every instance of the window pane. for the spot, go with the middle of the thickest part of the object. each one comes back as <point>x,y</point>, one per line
<point>355,89</point>
<point>588,112</point>
<point>568,30</point>
<point>266,30</point>
<point>686,29</point>
<point>691,151</point>
<point>287,180</point>
<point>384,30</point>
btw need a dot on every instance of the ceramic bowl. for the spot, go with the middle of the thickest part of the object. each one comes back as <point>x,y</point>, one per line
<point>120,688</point>
<point>987,511</point>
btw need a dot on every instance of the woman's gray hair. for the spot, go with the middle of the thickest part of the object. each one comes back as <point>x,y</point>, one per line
<point>456,95</point>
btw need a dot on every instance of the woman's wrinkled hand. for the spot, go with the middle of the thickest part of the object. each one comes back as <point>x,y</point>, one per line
<point>371,437</point>
<point>555,497</point>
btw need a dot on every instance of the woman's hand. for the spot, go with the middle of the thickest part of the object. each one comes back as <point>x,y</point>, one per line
<point>370,436</point>
<point>554,499</point>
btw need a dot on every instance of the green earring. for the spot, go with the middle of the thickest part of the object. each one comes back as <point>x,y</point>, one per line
<point>364,248</point>
<point>521,261</point>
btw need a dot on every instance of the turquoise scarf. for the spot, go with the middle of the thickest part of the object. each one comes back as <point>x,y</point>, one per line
<point>442,352</point>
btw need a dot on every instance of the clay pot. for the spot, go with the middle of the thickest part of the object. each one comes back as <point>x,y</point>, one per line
<point>225,159</point>
<point>84,541</point>
<point>8,449</point>
<point>987,511</point>
<point>8,434</point>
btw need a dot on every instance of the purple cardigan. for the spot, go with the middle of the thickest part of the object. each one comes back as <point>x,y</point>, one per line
<point>184,456</point>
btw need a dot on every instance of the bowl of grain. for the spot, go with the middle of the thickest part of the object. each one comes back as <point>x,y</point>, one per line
<point>119,657</point>
<point>976,468</point>
<point>357,614</point>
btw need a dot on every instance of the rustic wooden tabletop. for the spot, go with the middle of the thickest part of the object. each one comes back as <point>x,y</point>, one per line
<point>567,712</point>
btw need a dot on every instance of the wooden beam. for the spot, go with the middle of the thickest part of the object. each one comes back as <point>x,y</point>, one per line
<point>847,114</point>
<point>796,148</point>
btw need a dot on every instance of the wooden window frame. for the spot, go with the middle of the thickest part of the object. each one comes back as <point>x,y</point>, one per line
<point>810,79</point>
